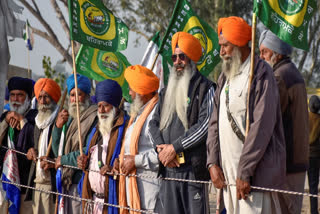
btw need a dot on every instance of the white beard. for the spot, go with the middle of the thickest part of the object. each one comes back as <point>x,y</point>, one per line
<point>272,61</point>
<point>106,124</point>
<point>176,96</point>
<point>22,108</point>
<point>45,111</point>
<point>231,64</point>
<point>135,106</point>
<point>82,107</point>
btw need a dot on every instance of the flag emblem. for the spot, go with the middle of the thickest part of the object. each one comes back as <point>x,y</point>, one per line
<point>97,20</point>
<point>108,62</point>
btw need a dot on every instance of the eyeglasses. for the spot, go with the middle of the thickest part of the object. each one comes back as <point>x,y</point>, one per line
<point>181,56</point>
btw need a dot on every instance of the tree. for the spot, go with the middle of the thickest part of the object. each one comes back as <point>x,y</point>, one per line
<point>49,33</point>
<point>51,73</point>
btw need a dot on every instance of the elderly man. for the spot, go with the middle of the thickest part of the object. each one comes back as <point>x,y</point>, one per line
<point>103,149</point>
<point>179,129</point>
<point>48,94</point>
<point>65,137</point>
<point>294,108</point>
<point>259,158</point>
<point>137,153</point>
<point>16,131</point>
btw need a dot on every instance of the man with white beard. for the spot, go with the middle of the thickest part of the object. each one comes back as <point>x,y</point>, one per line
<point>65,137</point>
<point>103,149</point>
<point>48,94</point>
<point>259,158</point>
<point>20,121</point>
<point>179,129</point>
<point>294,108</point>
<point>137,153</point>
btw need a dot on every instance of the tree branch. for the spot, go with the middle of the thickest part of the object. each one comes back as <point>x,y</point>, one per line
<point>65,2</point>
<point>61,18</point>
<point>53,37</point>
<point>54,43</point>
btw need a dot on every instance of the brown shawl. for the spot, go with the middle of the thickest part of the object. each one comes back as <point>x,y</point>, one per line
<point>72,139</point>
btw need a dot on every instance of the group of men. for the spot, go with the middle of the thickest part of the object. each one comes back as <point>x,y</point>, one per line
<point>193,129</point>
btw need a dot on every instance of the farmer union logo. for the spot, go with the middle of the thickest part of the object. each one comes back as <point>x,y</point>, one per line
<point>97,20</point>
<point>291,7</point>
<point>109,64</point>
<point>201,36</point>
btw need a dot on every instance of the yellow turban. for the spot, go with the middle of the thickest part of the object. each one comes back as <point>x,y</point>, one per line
<point>188,44</point>
<point>235,30</point>
<point>141,79</point>
<point>49,86</point>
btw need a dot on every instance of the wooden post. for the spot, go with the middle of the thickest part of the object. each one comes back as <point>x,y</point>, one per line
<point>60,109</point>
<point>77,97</point>
<point>154,61</point>
<point>254,24</point>
<point>29,71</point>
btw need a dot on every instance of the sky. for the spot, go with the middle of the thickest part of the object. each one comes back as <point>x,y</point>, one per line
<point>19,52</point>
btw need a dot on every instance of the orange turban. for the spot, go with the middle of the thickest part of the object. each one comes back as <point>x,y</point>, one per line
<point>141,79</point>
<point>188,44</point>
<point>235,30</point>
<point>49,86</point>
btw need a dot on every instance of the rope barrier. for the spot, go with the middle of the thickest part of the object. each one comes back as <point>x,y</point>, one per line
<point>183,180</point>
<point>78,198</point>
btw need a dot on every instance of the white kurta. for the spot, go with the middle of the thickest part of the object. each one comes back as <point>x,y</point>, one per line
<point>231,147</point>
<point>146,162</point>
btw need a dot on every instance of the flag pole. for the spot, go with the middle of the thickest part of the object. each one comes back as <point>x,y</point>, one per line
<point>154,62</point>
<point>28,54</point>
<point>60,109</point>
<point>254,24</point>
<point>77,96</point>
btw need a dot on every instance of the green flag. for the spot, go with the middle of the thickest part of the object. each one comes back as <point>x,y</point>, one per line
<point>92,24</point>
<point>184,19</point>
<point>288,19</point>
<point>100,65</point>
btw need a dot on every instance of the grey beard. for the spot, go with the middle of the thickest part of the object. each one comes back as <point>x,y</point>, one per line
<point>272,61</point>
<point>135,106</point>
<point>175,100</point>
<point>105,124</point>
<point>23,106</point>
<point>231,64</point>
<point>82,107</point>
<point>45,111</point>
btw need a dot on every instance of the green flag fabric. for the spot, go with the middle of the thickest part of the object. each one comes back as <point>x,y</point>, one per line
<point>184,19</point>
<point>100,65</point>
<point>288,19</point>
<point>92,24</point>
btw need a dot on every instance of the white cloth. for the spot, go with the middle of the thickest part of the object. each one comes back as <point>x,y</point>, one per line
<point>97,181</point>
<point>146,162</point>
<point>41,175</point>
<point>231,147</point>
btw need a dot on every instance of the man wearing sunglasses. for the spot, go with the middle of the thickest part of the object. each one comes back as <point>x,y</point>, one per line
<point>243,160</point>
<point>179,129</point>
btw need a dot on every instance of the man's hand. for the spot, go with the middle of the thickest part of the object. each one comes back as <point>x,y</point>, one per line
<point>128,164</point>
<point>217,177</point>
<point>105,169</point>
<point>243,189</point>
<point>32,155</point>
<point>174,163</point>
<point>116,166</point>
<point>166,153</point>
<point>62,118</point>
<point>58,162</point>
<point>44,164</point>
<point>13,119</point>
<point>82,161</point>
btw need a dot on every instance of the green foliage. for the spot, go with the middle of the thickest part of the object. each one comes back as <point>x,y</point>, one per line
<point>51,73</point>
